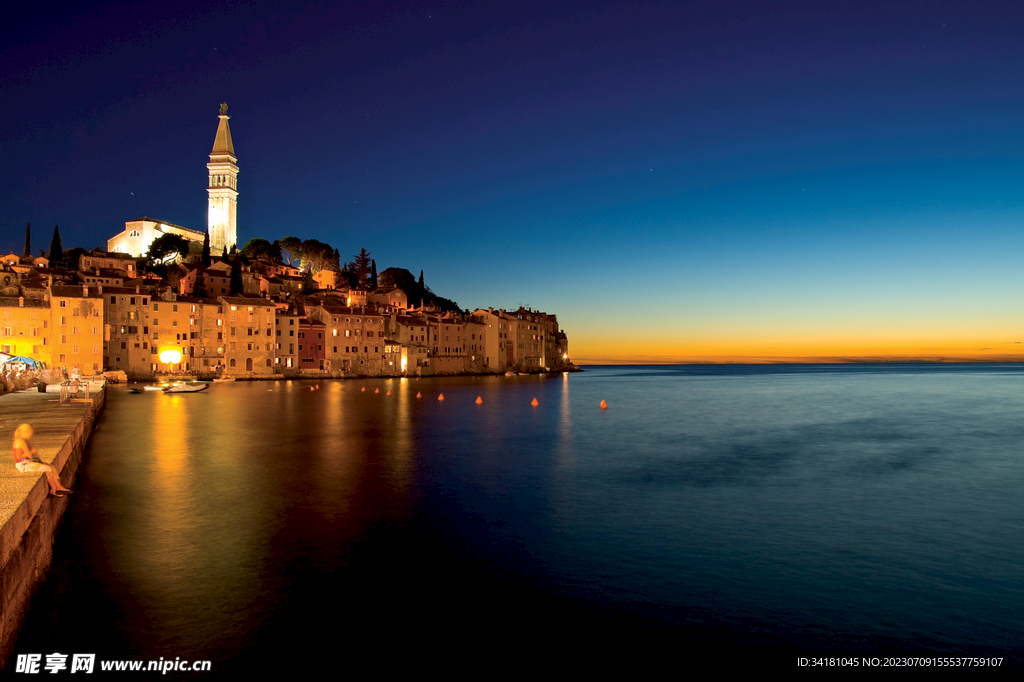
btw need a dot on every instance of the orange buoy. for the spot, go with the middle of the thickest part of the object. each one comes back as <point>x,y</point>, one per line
<point>376,390</point>
<point>535,403</point>
<point>479,400</point>
<point>604,405</point>
<point>441,396</point>
<point>363,388</point>
<point>389,392</point>
<point>419,395</point>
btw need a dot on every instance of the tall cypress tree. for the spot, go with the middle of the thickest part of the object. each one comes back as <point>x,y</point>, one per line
<point>236,276</point>
<point>56,248</point>
<point>373,274</point>
<point>422,289</point>
<point>207,259</point>
<point>28,241</point>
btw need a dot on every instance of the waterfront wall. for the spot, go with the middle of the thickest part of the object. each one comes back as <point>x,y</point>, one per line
<point>26,539</point>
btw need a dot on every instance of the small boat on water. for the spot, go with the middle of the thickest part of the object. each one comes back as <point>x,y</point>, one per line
<point>189,387</point>
<point>224,379</point>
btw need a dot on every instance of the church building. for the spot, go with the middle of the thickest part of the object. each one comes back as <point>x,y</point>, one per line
<point>221,216</point>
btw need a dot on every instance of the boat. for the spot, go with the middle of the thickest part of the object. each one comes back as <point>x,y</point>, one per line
<point>510,374</point>
<point>224,379</point>
<point>189,387</point>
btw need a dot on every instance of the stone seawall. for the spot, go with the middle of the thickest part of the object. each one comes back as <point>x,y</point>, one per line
<point>30,515</point>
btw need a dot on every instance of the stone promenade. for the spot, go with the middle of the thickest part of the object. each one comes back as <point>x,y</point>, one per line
<point>28,515</point>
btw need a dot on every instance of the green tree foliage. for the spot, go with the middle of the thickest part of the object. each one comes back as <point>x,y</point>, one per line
<point>236,275</point>
<point>56,248</point>
<point>167,248</point>
<point>257,249</point>
<point>373,275</point>
<point>401,278</point>
<point>361,266</point>
<point>71,259</point>
<point>207,259</point>
<point>291,249</point>
<point>317,256</point>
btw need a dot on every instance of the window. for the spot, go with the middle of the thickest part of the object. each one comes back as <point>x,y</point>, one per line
<point>156,307</point>
<point>63,304</point>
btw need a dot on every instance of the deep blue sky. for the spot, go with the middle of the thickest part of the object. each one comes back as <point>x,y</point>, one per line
<point>730,175</point>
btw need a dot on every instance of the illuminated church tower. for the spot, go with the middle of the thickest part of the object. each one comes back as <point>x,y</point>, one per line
<point>223,188</point>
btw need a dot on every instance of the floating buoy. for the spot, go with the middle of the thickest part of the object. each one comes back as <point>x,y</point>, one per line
<point>363,388</point>
<point>376,390</point>
<point>604,405</point>
<point>311,388</point>
<point>419,395</point>
<point>389,392</point>
<point>479,400</point>
<point>441,396</point>
<point>535,403</point>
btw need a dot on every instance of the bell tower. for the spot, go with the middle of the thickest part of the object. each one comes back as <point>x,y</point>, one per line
<point>223,189</point>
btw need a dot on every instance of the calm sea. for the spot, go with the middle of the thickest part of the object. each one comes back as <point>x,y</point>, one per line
<point>758,513</point>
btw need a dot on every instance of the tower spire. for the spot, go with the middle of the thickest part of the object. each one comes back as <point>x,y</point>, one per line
<point>223,188</point>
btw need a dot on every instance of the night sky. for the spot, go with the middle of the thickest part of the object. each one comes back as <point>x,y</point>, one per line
<point>676,181</point>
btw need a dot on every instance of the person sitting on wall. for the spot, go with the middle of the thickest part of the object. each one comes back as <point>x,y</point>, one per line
<point>27,461</point>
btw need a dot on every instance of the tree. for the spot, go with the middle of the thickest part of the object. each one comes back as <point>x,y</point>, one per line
<point>27,253</point>
<point>71,259</point>
<point>291,249</point>
<point>373,275</point>
<point>166,248</point>
<point>207,258</point>
<point>56,248</point>
<point>317,256</point>
<point>236,276</point>
<point>361,265</point>
<point>262,250</point>
<point>401,278</point>
<point>422,289</point>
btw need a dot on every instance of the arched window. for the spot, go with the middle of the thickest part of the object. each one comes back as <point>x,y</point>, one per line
<point>268,362</point>
<point>248,364</point>
<point>232,362</point>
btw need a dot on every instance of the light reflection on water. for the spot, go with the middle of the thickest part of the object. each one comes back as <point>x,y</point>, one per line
<point>849,510</point>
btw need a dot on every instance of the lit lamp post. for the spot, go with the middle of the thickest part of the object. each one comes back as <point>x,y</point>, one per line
<point>171,356</point>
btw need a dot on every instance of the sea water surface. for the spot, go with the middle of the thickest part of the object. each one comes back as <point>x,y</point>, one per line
<point>781,511</point>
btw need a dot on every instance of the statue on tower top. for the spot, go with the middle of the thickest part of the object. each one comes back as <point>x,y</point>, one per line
<point>224,109</point>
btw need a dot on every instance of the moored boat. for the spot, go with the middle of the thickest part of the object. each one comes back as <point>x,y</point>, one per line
<point>189,387</point>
